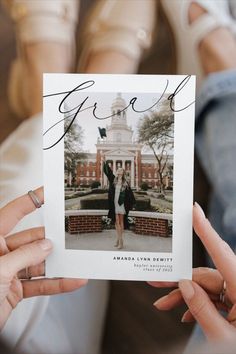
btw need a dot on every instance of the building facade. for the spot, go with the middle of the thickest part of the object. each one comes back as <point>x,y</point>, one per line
<point>120,149</point>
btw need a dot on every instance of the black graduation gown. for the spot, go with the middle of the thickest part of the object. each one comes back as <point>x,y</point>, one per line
<point>126,197</point>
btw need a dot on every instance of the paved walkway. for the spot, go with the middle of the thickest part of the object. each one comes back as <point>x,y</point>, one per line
<point>105,240</point>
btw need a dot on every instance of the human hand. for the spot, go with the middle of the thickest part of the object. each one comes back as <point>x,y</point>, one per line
<point>22,256</point>
<point>202,295</point>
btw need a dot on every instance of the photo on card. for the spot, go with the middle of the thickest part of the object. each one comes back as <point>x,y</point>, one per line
<point>118,175</point>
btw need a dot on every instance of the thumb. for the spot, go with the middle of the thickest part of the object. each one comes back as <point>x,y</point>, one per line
<point>204,311</point>
<point>25,256</point>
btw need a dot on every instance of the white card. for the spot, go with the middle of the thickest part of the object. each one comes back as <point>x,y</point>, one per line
<point>118,175</point>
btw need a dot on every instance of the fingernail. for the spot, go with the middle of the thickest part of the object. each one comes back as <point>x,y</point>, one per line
<point>187,289</point>
<point>160,301</point>
<point>199,209</point>
<point>45,244</point>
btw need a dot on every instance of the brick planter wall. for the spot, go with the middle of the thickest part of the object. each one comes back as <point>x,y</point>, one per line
<point>151,226</point>
<point>84,223</point>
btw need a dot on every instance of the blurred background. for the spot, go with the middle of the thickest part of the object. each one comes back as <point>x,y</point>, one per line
<point>132,325</point>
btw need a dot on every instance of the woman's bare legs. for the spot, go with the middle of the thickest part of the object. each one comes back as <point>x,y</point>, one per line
<point>119,229</point>
<point>121,223</point>
<point>121,217</point>
<point>117,225</point>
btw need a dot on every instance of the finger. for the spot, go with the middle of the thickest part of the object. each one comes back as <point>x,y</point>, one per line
<point>24,256</point>
<point>3,246</point>
<point>232,315</point>
<point>187,317</point>
<point>212,323</point>
<point>25,237</point>
<point>220,305</point>
<point>4,305</point>
<point>212,282</point>
<point>39,287</point>
<point>209,279</point>
<point>21,238</point>
<point>15,293</point>
<point>168,302</point>
<point>220,252</point>
<point>163,284</point>
<point>174,299</point>
<point>31,272</point>
<point>15,210</point>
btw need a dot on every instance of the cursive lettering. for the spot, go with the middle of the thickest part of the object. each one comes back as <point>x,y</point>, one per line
<point>133,103</point>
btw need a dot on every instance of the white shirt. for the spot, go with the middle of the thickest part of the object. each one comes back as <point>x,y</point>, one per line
<point>70,323</point>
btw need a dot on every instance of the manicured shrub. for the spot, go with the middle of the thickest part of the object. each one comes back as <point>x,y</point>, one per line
<point>77,195</point>
<point>95,184</point>
<point>143,204</point>
<point>98,191</point>
<point>141,193</point>
<point>144,186</point>
<point>95,202</point>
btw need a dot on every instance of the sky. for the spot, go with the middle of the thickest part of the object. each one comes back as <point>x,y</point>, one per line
<point>104,101</point>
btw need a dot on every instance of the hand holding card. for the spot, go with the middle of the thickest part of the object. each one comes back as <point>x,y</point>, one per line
<point>22,257</point>
<point>211,289</point>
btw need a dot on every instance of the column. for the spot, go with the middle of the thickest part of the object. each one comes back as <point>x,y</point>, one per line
<point>123,164</point>
<point>132,173</point>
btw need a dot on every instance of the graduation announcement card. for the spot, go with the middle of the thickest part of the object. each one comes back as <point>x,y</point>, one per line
<point>118,175</point>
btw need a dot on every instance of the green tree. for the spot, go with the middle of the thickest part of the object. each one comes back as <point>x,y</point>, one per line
<point>156,131</point>
<point>73,148</point>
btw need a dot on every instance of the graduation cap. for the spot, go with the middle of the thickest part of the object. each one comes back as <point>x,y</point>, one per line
<point>102,132</point>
